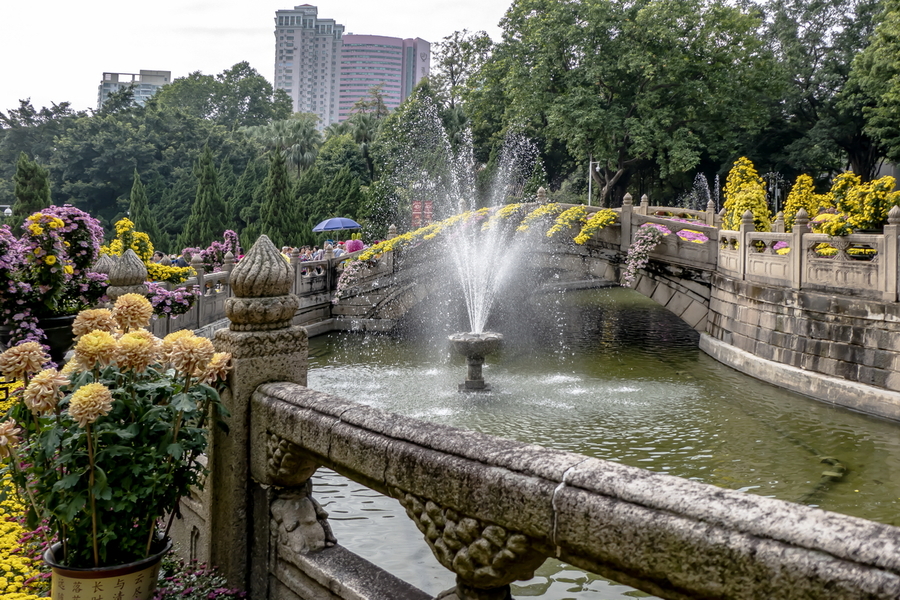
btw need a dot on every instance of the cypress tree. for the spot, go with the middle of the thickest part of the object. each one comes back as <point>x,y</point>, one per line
<point>279,212</point>
<point>139,212</point>
<point>32,190</point>
<point>208,218</point>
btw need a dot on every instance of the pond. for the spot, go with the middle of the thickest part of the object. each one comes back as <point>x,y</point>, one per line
<point>606,373</point>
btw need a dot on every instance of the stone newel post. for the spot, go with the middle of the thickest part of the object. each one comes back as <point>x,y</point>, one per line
<point>265,348</point>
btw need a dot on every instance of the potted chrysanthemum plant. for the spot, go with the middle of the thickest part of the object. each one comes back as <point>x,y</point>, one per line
<point>103,450</point>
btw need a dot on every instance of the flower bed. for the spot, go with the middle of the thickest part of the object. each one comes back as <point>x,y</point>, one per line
<point>21,577</point>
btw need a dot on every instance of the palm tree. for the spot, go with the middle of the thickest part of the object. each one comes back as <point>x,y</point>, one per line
<point>365,128</point>
<point>296,138</point>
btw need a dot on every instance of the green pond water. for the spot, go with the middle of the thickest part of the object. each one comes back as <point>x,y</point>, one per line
<point>609,374</point>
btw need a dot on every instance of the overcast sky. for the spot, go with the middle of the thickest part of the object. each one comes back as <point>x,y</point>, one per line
<point>56,51</point>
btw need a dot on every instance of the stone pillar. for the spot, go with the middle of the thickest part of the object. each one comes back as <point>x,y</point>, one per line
<point>541,195</point>
<point>625,217</point>
<point>127,275</point>
<point>264,348</point>
<point>747,227</point>
<point>645,205</point>
<point>778,225</point>
<point>197,265</point>
<point>798,250</point>
<point>228,267</point>
<point>392,232</point>
<point>890,264</point>
<point>711,213</point>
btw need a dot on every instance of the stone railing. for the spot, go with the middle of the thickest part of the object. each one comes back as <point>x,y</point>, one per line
<point>752,256</point>
<point>490,509</point>
<point>313,283</point>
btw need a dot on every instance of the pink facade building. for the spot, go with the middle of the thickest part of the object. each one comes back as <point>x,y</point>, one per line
<point>395,64</point>
<point>326,71</point>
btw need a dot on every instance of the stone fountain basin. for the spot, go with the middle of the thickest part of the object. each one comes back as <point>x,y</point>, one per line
<point>476,344</point>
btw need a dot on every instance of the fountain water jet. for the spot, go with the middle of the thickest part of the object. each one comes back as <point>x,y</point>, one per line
<point>444,173</point>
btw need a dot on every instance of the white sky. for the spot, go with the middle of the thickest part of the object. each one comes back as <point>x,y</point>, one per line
<point>56,51</point>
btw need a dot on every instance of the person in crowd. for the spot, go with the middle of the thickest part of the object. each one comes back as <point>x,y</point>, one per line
<point>157,256</point>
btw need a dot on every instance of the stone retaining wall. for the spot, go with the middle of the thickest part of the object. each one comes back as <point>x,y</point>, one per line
<point>852,339</point>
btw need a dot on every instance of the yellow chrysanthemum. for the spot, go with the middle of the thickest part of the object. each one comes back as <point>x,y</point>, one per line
<point>132,311</point>
<point>50,259</point>
<point>95,347</point>
<point>99,319</point>
<point>71,367</point>
<point>189,354</point>
<point>89,403</point>
<point>217,368</point>
<point>138,350</point>
<point>9,437</point>
<point>24,359</point>
<point>68,270</point>
<point>43,393</point>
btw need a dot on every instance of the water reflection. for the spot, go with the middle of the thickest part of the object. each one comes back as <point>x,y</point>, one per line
<point>607,374</point>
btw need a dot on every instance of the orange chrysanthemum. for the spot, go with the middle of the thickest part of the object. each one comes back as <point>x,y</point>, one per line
<point>132,311</point>
<point>24,359</point>
<point>43,393</point>
<point>100,319</point>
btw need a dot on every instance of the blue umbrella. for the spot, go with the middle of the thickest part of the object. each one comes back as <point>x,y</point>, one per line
<point>336,224</point>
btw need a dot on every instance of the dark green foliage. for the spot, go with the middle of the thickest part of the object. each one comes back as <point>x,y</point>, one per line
<point>177,202</point>
<point>875,82</point>
<point>32,190</point>
<point>816,122</point>
<point>279,215</point>
<point>340,152</point>
<point>139,213</point>
<point>237,97</point>
<point>209,216</point>
<point>654,82</point>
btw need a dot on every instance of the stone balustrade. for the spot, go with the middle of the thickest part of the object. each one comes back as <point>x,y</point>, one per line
<point>491,510</point>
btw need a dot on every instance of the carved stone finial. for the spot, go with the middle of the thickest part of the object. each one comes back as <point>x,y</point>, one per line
<point>645,200</point>
<point>747,217</point>
<point>392,232</point>
<point>542,195</point>
<point>627,200</point>
<point>261,283</point>
<point>894,215</point>
<point>104,264</point>
<point>127,276</point>
<point>710,206</point>
<point>262,273</point>
<point>329,251</point>
<point>229,260</point>
<point>196,262</point>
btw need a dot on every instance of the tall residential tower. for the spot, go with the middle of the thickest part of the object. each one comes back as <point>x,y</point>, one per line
<point>325,71</point>
<point>145,84</point>
<point>307,57</point>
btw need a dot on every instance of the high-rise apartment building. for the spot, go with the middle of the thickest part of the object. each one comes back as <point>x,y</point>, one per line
<point>325,71</point>
<point>395,64</point>
<point>307,57</point>
<point>146,83</point>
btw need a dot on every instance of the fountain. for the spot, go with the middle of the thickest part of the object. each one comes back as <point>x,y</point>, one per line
<point>484,257</point>
<point>475,346</point>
